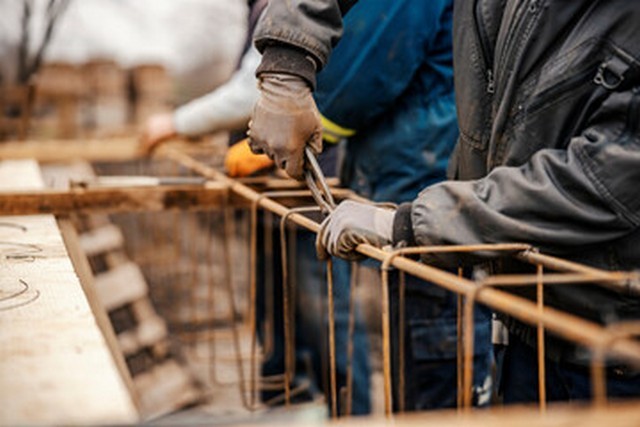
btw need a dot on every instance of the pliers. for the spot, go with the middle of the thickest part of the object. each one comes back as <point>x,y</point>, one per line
<point>317,183</point>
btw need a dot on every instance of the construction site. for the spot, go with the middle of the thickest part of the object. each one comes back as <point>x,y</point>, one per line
<point>152,281</point>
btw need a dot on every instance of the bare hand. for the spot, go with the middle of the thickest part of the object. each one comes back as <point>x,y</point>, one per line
<point>158,129</point>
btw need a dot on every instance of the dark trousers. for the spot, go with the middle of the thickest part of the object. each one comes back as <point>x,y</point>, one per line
<point>430,347</point>
<point>564,381</point>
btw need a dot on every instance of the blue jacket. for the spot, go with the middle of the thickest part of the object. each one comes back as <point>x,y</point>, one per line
<point>388,87</point>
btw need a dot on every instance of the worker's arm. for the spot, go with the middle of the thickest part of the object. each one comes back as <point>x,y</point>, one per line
<point>559,201</point>
<point>226,108</point>
<point>295,38</point>
<point>383,45</point>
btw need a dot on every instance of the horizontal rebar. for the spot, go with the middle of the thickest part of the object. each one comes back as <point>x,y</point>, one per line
<point>570,327</point>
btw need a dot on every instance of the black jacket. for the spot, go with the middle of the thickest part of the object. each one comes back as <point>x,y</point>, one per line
<point>548,98</point>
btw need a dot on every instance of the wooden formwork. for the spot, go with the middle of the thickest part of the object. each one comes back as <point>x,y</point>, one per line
<point>161,381</point>
<point>57,362</point>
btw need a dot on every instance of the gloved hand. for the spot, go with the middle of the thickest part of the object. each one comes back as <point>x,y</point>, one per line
<point>158,129</point>
<point>351,224</point>
<point>285,120</point>
<point>240,161</point>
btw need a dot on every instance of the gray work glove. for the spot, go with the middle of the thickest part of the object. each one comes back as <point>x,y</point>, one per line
<point>285,119</point>
<point>351,224</point>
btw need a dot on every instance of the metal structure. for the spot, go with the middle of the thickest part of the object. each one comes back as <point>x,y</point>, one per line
<point>222,193</point>
<point>613,340</point>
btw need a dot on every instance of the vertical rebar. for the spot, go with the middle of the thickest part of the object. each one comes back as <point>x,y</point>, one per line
<point>401,341</point>
<point>268,346</point>
<point>542,387</point>
<point>228,263</point>
<point>459,348</point>
<point>289,369</point>
<point>598,379</point>
<point>211,337</point>
<point>386,342</point>
<point>288,309</point>
<point>468,344</point>
<point>352,326</point>
<point>253,320</point>
<point>332,341</point>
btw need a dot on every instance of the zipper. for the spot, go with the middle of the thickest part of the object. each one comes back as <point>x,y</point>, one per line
<point>491,84</point>
<point>486,51</point>
<point>516,32</point>
<point>564,86</point>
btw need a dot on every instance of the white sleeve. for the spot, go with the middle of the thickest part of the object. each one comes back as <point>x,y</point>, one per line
<point>226,108</point>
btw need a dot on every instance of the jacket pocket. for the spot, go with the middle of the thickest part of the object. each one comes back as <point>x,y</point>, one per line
<point>593,63</point>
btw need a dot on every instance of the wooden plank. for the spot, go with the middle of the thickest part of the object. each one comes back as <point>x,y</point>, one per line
<point>55,364</point>
<point>111,200</point>
<point>83,269</point>
<point>101,240</point>
<point>120,285</point>
<point>91,150</point>
<point>112,149</point>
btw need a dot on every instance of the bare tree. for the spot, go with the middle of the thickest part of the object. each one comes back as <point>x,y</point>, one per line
<point>28,66</point>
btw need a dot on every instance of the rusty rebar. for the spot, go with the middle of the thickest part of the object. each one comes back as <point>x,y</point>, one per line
<point>288,310</point>
<point>332,341</point>
<point>355,268</point>
<point>570,327</point>
<point>542,387</point>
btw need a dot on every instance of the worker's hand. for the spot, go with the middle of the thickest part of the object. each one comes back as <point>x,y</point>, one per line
<point>285,119</point>
<point>158,129</point>
<point>240,161</point>
<point>351,224</point>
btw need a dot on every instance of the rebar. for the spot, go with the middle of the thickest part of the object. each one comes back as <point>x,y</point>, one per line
<point>580,331</point>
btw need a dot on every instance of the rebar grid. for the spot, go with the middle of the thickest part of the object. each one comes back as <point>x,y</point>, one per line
<point>612,341</point>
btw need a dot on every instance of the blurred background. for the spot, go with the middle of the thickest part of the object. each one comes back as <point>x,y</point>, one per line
<point>71,56</point>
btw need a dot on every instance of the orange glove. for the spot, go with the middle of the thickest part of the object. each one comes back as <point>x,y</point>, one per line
<point>240,161</point>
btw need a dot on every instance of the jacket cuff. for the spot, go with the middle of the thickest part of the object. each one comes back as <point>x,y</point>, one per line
<point>403,227</point>
<point>286,59</point>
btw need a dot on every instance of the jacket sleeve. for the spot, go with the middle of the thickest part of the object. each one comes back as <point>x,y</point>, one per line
<point>296,36</point>
<point>226,108</point>
<point>559,201</point>
<point>383,45</point>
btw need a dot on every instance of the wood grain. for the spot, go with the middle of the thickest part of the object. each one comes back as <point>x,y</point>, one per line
<point>55,365</point>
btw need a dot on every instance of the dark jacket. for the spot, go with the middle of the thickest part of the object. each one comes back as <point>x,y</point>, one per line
<point>548,101</point>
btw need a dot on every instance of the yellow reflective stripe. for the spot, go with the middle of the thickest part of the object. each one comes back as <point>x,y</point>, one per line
<point>326,136</point>
<point>333,132</point>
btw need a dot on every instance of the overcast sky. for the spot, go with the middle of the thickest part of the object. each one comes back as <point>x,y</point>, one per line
<point>198,40</point>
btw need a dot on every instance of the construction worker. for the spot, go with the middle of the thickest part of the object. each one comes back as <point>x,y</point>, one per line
<point>548,154</point>
<point>228,108</point>
<point>388,91</point>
